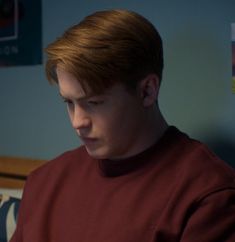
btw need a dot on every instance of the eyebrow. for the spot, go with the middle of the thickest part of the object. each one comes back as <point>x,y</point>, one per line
<point>81,98</point>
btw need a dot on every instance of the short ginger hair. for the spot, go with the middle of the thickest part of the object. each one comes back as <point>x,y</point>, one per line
<point>107,47</point>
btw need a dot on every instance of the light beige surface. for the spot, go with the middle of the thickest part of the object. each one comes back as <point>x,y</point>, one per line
<point>14,171</point>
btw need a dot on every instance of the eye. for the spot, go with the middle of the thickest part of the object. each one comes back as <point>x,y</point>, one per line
<point>95,102</point>
<point>67,101</point>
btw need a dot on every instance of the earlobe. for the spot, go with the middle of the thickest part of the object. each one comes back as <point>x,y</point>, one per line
<point>149,88</point>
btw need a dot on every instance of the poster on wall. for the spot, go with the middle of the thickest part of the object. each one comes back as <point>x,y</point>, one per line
<point>20,32</point>
<point>233,57</point>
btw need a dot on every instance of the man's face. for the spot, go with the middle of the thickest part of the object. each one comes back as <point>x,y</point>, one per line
<point>108,124</point>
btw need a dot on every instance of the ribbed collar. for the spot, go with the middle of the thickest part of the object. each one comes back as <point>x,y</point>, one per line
<point>112,168</point>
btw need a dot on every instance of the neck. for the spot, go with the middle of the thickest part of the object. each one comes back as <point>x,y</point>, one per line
<point>152,129</point>
<point>155,126</point>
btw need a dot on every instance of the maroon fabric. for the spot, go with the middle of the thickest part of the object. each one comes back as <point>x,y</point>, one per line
<point>176,190</point>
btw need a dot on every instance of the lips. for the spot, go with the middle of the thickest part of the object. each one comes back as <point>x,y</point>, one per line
<point>88,141</point>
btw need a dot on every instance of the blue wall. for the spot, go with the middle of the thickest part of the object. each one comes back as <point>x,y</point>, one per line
<point>196,93</point>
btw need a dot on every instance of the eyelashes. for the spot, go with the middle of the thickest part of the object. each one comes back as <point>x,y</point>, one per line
<point>85,104</point>
<point>95,102</point>
<point>67,101</point>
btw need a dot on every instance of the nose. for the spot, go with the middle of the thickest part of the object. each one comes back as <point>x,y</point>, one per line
<point>80,119</point>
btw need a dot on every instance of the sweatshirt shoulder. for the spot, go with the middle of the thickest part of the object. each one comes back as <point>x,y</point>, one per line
<point>203,158</point>
<point>201,167</point>
<point>60,163</point>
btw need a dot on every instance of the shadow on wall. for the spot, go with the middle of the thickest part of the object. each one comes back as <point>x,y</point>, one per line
<point>224,148</point>
<point>200,66</point>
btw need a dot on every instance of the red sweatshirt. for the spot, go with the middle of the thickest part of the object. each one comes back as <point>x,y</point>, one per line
<point>176,190</point>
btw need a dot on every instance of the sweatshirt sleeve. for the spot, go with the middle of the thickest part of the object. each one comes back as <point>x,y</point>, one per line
<point>213,220</point>
<point>17,235</point>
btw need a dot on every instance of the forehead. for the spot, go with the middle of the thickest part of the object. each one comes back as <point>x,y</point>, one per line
<point>70,87</point>
<point>89,81</point>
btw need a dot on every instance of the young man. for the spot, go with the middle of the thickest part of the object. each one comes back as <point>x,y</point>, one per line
<point>135,179</point>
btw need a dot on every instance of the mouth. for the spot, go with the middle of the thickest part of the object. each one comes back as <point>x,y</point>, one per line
<point>88,141</point>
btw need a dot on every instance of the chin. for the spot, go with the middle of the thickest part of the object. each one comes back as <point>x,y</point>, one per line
<point>98,153</point>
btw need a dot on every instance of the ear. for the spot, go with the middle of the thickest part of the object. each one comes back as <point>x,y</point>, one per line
<point>149,88</point>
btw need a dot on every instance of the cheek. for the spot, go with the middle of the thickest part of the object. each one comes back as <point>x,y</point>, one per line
<point>108,127</point>
<point>118,122</point>
<point>116,128</point>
